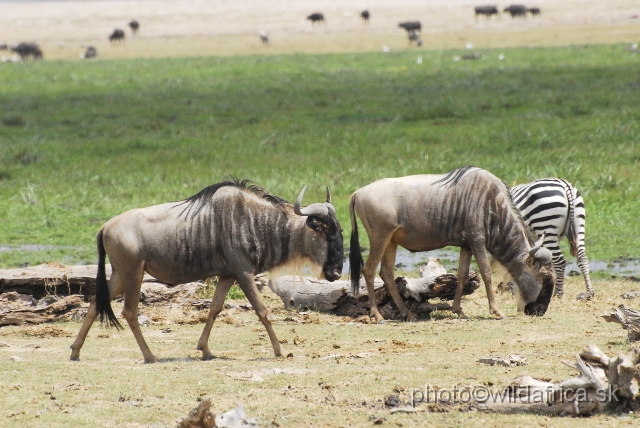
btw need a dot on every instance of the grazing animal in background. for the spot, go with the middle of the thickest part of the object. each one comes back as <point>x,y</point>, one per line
<point>365,15</point>
<point>554,208</point>
<point>410,26</point>
<point>231,230</point>
<point>89,53</point>
<point>414,38</point>
<point>116,36</point>
<point>27,51</point>
<point>264,38</point>
<point>316,17</point>
<point>534,11</point>
<point>516,10</point>
<point>468,208</point>
<point>135,26</point>
<point>4,47</point>
<point>487,11</point>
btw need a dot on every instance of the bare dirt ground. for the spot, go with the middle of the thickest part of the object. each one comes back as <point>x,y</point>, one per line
<point>174,28</point>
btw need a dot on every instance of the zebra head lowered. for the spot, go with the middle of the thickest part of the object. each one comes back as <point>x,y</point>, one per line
<point>469,208</point>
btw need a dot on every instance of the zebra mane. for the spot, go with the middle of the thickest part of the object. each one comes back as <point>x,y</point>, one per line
<point>196,203</point>
<point>454,176</point>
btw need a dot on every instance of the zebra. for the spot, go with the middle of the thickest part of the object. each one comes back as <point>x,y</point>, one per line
<point>554,208</point>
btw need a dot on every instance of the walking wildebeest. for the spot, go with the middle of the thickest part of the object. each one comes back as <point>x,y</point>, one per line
<point>316,17</point>
<point>534,11</point>
<point>486,11</point>
<point>468,208</point>
<point>264,38</point>
<point>365,16</point>
<point>410,26</point>
<point>516,10</point>
<point>89,53</point>
<point>231,230</point>
<point>27,51</point>
<point>116,36</point>
<point>135,26</point>
<point>414,37</point>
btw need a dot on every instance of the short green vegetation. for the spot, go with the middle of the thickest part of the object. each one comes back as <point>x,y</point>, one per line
<point>81,142</point>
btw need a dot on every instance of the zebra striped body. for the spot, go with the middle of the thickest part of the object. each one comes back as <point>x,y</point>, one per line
<point>552,206</point>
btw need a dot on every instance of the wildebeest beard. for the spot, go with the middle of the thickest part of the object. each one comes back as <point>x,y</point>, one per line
<point>539,307</point>
<point>332,268</point>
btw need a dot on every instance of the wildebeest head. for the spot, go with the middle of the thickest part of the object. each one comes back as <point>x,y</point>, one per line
<point>321,218</point>
<point>538,276</point>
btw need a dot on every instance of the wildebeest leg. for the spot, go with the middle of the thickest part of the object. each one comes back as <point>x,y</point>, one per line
<point>386,273</point>
<point>89,318</point>
<point>369,272</point>
<point>250,290</point>
<point>480,253</point>
<point>115,288</point>
<point>217,303</point>
<point>463,275</point>
<point>132,282</point>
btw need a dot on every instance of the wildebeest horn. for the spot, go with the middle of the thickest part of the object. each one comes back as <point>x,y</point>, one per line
<point>536,246</point>
<point>319,210</point>
<point>328,195</point>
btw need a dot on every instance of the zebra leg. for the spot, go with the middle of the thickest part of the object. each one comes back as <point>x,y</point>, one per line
<point>583,263</point>
<point>559,265</point>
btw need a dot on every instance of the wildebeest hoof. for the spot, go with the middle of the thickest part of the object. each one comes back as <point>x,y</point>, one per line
<point>585,296</point>
<point>75,358</point>
<point>209,357</point>
<point>382,321</point>
<point>290,355</point>
<point>151,360</point>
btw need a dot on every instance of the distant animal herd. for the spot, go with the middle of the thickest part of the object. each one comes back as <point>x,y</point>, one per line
<point>31,51</point>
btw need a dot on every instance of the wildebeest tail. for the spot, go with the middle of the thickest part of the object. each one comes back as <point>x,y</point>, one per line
<point>355,254</point>
<point>103,298</point>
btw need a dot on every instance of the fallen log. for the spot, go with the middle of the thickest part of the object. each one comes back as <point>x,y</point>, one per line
<point>628,318</point>
<point>17,309</point>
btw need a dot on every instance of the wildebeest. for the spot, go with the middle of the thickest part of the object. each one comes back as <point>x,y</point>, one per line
<point>316,17</point>
<point>516,10</point>
<point>468,208</point>
<point>3,46</point>
<point>27,51</point>
<point>116,36</point>
<point>264,38</point>
<point>410,26</point>
<point>135,26</point>
<point>486,11</point>
<point>534,11</point>
<point>365,16</point>
<point>89,53</point>
<point>232,230</point>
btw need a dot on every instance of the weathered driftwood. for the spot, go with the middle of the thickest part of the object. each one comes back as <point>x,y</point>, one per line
<point>628,318</point>
<point>512,361</point>
<point>18,309</point>
<point>603,383</point>
<point>337,296</point>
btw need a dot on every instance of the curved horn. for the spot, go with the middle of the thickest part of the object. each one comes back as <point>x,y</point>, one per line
<point>328,195</point>
<point>319,210</point>
<point>536,246</point>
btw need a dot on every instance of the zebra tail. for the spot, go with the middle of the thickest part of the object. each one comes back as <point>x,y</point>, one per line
<point>571,233</point>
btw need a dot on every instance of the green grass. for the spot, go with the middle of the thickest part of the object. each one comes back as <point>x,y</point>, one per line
<point>81,142</point>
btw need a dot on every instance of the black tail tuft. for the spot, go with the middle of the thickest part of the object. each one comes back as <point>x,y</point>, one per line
<point>355,254</point>
<point>103,298</point>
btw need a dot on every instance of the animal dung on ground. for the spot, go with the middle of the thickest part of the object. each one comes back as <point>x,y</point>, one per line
<point>628,318</point>
<point>512,361</point>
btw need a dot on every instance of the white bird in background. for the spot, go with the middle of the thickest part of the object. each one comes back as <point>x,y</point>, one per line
<point>469,45</point>
<point>386,49</point>
<point>500,57</point>
<point>634,47</point>
<point>419,61</point>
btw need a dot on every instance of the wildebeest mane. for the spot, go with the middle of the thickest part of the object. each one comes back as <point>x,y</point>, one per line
<point>196,203</point>
<point>453,177</point>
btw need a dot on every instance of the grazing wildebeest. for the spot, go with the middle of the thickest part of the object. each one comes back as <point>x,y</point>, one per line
<point>365,15</point>
<point>89,53</point>
<point>231,230</point>
<point>4,47</point>
<point>116,36</point>
<point>316,17</point>
<point>27,51</point>
<point>264,38</point>
<point>534,11</point>
<point>410,26</point>
<point>468,208</point>
<point>414,38</point>
<point>487,11</point>
<point>553,207</point>
<point>135,26</point>
<point>516,10</point>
